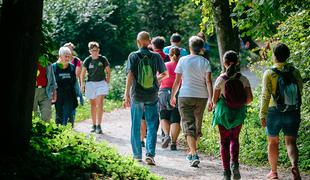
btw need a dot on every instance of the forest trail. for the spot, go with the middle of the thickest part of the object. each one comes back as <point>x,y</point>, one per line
<point>171,165</point>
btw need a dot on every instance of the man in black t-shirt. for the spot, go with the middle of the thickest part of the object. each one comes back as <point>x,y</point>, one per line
<point>142,93</point>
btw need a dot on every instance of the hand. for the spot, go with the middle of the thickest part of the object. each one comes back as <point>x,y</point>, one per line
<point>126,102</point>
<point>263,122</point>
<point>173,101</point>
<point>210,105</point>
<point>82,88</point>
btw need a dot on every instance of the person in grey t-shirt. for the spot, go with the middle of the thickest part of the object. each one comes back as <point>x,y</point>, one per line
<point>195,93</point>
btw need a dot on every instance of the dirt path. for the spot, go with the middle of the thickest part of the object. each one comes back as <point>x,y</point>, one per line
<point>169,164</point>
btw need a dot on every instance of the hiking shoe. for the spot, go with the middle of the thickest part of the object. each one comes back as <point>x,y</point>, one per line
<point>272,175</point>
<point>189,158</point>
<point>142,144</point>
<point>195,160</point>
<point>93,129</point>
<point>150,160</point>
<point>235,171</point>
<point>98,129</point>
<point>166,141</point>
<point>226,175</point>
<point>173,146</point>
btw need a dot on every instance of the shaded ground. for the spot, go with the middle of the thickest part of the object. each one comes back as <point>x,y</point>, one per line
<point>169,164</point>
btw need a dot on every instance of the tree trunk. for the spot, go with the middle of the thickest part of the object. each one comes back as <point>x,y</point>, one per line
<point>20,38</point>
<point>227,39</point>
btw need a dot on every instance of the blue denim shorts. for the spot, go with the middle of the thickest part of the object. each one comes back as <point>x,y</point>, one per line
<point>287,121</point>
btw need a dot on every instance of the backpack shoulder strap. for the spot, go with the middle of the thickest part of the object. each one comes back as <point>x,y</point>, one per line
<point>278,72</point>
<point>225,77</point>
<point>75,61</point>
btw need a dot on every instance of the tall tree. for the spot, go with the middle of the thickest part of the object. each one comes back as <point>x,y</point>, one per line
<point>226,37</point>
<point>20,38</point>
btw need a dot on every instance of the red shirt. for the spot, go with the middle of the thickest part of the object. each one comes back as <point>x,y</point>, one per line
<point>168,82</point>
<point>161,53</point>
<point>78,63</point>
<point>41,76</point>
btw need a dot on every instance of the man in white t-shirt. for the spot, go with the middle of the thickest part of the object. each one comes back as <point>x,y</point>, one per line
<point>195,93</point>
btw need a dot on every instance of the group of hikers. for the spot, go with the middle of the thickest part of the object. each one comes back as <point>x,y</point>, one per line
<point>170,85</point>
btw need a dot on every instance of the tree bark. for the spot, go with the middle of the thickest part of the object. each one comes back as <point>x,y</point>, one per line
<point>20,38</point>
<point>227,39</point>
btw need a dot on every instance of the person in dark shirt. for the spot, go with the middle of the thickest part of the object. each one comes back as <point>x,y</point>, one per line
<point>97,84</point>
<point>138,97</point>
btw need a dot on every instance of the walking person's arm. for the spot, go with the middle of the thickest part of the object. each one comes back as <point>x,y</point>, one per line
<point>127,89</point>
<point>162,76</point>
<point>83,72</point>
<point>108,72</point>
<point>210,91</point>
<point>175,89</point>
<point>265,98</point>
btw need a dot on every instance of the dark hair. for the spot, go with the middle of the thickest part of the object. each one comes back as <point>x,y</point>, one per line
<point>201,35</point>
<point>175,53</point>
<point>176,37</point>
<point>281,52</point>
<point>196,44</point>
<point>158,42</point>
<point>231,58</point>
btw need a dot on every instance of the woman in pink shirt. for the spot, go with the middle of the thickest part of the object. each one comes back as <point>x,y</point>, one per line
<point>170,116</point>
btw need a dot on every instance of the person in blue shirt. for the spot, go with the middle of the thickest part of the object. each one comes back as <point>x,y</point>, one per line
<point>175,41</point>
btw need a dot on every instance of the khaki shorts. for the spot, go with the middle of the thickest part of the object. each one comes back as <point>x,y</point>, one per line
<point>191,111</point>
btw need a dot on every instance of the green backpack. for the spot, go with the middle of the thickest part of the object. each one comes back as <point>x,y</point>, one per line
<point>145,72</point>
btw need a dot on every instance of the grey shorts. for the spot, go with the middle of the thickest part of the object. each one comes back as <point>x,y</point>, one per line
<point>191,111</point>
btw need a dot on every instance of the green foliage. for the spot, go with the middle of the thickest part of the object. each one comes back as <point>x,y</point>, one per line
<point>117,83</point>
<point>260,18</point>
<point>295,32</point>
<point>57,152</point>
<point>80,22</point>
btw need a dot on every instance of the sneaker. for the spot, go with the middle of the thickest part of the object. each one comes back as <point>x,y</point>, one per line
<point>166,141</point>
<point>226,175</point>
<point>189,158</point>
<point>93,129</point>
<point>195,160</point>
<point>173,146</point>
<point>235,171</point>
<point>98,129</point>
<point>150,160</point>
<point>142,144</point>
<point>272,175</point>
<point>295,172</point>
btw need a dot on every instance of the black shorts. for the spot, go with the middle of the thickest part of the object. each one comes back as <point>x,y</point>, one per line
<point>173,116</point>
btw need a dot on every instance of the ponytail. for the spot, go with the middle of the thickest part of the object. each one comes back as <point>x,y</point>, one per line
<point>231,70</point>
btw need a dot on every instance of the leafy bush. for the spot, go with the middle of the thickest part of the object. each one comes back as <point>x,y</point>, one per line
<point>117,83</point>
<point>60,153</point>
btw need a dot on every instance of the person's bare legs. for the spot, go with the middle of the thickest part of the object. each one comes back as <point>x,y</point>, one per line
<point>99,102</point>
<point>273,152</point>
<point>292,152</point>
<point>165,125</point>
<point>93,109</point>
<point>175,131</point>
<point>191,141</point>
